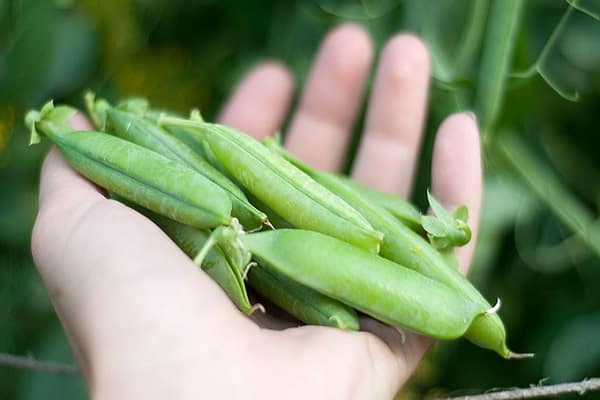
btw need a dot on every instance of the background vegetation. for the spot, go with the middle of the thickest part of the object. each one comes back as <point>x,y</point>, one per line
<point>539,243</point>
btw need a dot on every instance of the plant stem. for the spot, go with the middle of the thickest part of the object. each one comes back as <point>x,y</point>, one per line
<point>499,45</point>
<point>551,191</point>
<point>580,388</point>
<point>471,39</point>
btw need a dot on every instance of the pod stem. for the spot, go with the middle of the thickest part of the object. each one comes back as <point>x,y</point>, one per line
<point>48,113</point>
<point>96,109</point>
<point>228,237</point>
<point>166,120</point>
<point>220,234</point>
<point>495,308</point>
<point>210,243</point>
<point>268,224</point>
<point>247,269</point>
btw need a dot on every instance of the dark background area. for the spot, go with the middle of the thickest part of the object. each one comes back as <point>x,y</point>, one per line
<point>539,241</point>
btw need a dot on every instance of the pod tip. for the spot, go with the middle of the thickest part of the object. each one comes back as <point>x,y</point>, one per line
<point>402,334</point>
<point>247,268</point>
<point>518,356</point>
<point>495,308</point>
<point>268,224</point>
<point>195,115</point>
<point>343,323</point>
<point>256,307</point>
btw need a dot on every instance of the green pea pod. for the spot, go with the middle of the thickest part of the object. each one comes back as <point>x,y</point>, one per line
<point>444,230</point>
<point>133,172</point>
<point>400,208</point>
<point>217,263</point>
<point>186,136</point>
<point>136,129</point>
<point>378,287</point>
<point>275,219</point>
<point>308,305</point>
<point>280,185</point>
<point>405,247</point>
<point>141,107</point>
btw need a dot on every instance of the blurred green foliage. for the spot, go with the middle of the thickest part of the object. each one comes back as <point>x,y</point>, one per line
<point>539,241</point>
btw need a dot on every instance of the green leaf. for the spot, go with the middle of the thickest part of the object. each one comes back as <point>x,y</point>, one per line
<point>446,230</point>
<point>60,114</point>
<point>31,118</point>
<point>439,210</point>
<point>434,226</point>
<point>195,115</point>
<point>439,243</point>
<point>46,108</point>
<point>461,213</point>
<point>138,105</point>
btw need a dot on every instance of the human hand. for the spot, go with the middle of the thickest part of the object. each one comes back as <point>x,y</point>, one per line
<point>144,322</point>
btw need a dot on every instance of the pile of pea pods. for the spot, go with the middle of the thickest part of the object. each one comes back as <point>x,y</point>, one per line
<point>318,245</point>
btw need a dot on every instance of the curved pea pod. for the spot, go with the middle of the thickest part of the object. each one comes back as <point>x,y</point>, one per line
<point>221,268</point>
<point>280,185</point>
<point>378,287</point>
<point>133,172</point>
<point>138,130</point>
<point>406,247</point>
<point>307,305</point>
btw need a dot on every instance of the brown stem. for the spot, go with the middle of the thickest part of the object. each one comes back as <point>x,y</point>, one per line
<point>587,385</point>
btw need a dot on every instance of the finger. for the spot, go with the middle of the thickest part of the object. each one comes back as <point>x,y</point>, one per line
<point>273,320</point>
<point>55,169</point>
<point>408,347</point>
<point>456,173</point>
<point>321,129</point>
<point>260,102</point>
<point>390,145</point>
<point>354,364</point>
<point>113,276</point>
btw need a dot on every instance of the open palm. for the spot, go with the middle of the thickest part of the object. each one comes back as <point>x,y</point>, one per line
<point>144,322</point>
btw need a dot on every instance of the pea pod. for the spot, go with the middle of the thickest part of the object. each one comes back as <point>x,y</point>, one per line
<point>136,129</point>
<point>444,231</point>
<point>405,247</point>
<point>374,285</point>
<point>141,107</point>
<point>288,191</point>
<point>308,305</point>
<point>217,263</point>
<point>275,220</point>
<point>400,208</point>
<point>304,303</point>
<point>133,172</point>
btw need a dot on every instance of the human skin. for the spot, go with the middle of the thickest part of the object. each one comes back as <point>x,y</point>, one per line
<point>144,322</point>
